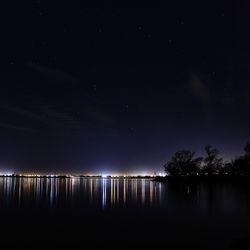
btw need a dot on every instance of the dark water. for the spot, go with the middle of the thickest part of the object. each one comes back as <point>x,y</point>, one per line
<point>122,213</point>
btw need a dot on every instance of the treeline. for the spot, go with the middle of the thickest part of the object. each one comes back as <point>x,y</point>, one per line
<point>184,163</point>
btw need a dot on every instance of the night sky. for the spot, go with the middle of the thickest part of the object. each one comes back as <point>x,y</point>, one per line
<point>102,88</point>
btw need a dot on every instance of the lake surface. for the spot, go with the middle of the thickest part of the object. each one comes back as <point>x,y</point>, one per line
<point>101,211</point>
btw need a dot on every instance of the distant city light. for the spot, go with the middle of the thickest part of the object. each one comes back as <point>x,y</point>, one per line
<point>161,174</point>
<point>5,172</point>
<point>68,175</point>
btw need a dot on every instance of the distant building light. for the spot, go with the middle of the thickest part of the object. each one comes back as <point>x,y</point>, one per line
<point>161,174</point>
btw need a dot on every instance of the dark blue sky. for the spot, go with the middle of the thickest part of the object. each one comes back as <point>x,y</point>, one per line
<point>90,88</point>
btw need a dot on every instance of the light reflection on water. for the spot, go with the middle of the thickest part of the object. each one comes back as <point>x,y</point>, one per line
<point>205,199</point>
<point>104,192</point>
<point>218,211</point>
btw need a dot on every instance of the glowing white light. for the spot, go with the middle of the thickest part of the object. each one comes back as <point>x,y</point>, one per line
<point>162,174</point>
<point>104,176</point>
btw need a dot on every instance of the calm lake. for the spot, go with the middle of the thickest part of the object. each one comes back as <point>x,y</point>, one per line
<point>100,211</point>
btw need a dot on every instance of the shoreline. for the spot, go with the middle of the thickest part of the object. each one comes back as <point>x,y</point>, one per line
<point>76,176</point>
<point>196,179</point>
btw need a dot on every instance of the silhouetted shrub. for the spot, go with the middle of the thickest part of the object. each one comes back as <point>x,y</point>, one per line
<point>212,163</point>
<point>183,163</point>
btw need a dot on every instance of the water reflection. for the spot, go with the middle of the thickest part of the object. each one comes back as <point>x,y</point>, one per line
<point>217,210</point>
<point>103,192</point>
<point>107,193</point>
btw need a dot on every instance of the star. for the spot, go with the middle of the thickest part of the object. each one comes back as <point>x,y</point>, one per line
<point>94,87</point>
<point>140,27</point>
<point>179,21</point>
<point>126,107</point>
<point>42,13</point>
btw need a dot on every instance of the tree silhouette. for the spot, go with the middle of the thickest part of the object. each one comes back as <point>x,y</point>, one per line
<point>247,159</point>
<point>183,163</point>
<point>241,164</point>
<point>226,169</point>
<point>212,162</point>
<point>247,149</point>
<point>236,167</point>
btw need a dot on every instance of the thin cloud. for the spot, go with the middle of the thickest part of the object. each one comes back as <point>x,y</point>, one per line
<point>16,127</point>
<point>202,93</point>
<point>99,116</point>
<point>199,89</point>
<point>56,74</point>
<point>24,112</point>
<point>55,118</point>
